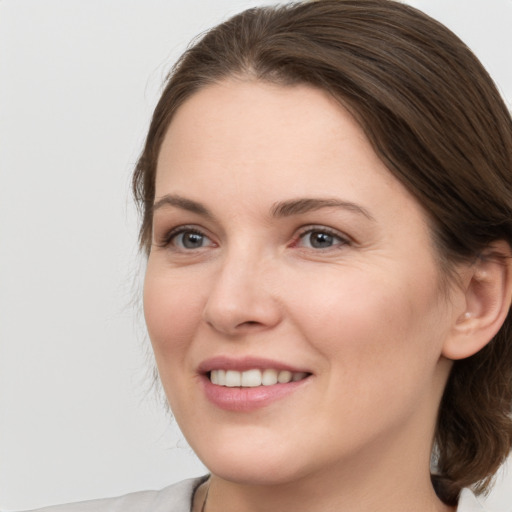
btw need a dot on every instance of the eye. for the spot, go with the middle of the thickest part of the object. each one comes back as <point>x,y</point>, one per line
<point>320,238</point>
<point>188,239</point>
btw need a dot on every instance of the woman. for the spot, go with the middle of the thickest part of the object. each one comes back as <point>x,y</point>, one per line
<point>326,194</point>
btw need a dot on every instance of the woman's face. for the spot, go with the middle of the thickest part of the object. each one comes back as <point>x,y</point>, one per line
<point>283,249</point>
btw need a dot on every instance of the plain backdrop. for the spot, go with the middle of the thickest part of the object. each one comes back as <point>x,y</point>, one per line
<point>78,81</point>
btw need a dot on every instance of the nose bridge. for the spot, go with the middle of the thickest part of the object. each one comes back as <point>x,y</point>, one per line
<point>241,296</point>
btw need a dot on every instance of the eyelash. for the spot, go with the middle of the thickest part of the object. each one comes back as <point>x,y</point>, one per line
<point>171,235</point>
<point>343,240</point>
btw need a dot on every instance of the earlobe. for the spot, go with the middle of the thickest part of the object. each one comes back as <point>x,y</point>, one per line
<point>487,294</point>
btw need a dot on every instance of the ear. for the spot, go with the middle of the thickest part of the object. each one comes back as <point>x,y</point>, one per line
<point>487,290</point>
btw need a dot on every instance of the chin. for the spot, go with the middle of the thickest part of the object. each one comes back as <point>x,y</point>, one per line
<point>251,461</point>
<point>256,474</point>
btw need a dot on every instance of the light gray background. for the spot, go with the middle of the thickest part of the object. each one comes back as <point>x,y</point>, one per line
<point>78,80</point>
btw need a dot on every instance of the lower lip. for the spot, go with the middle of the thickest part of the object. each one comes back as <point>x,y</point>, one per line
<point>248,399</point>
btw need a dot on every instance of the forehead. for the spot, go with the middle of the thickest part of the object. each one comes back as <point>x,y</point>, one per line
<point>244,127</point>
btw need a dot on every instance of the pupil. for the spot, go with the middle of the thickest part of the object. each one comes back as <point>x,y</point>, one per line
<point>192,240</point>
<point>321,240</point>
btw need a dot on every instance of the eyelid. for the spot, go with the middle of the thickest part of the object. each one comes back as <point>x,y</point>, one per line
<point>345,239</point>
<point>166,239</point>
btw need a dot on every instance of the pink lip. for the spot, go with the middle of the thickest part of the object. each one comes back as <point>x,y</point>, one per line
<point>245,399</point>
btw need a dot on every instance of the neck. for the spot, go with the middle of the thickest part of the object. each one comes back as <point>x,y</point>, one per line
<point>319,496</point>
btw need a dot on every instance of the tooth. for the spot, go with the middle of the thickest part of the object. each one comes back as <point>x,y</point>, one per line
<point>254,377</point>
<point>251,378</point>
<point>269,377</point>
<point>233,379</point>
<point>284,377</point>
<point>221,377</point>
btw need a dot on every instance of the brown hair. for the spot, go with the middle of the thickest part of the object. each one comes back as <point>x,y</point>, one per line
<point>434,117</point>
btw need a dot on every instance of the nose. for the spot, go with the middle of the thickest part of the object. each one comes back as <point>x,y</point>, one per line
<point>243,297</point>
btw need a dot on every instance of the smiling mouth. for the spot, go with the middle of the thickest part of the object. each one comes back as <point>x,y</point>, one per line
<point>254,378</point>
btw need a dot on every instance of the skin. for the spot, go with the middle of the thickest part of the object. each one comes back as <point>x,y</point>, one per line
<point>365,315</point>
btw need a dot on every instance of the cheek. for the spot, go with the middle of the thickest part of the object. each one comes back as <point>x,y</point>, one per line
<point>368,323</point>
<point>380,346</point>
<point>172,311</point>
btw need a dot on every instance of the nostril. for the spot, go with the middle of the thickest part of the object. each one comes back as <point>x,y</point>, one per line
<point>249,323</point>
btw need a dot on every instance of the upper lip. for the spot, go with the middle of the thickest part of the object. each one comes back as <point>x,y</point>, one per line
<point>245,363</point>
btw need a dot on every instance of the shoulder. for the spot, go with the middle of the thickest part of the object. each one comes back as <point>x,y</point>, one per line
<point>174,498</point>
<point>469,503</point>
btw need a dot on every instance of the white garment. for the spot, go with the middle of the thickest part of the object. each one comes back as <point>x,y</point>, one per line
<point>468,502</point>
<point>178,498</point>
<point>175,498</point>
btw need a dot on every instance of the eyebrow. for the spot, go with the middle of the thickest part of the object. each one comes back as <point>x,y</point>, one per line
<point>183,203</point>
<point>280,209</point>
<point>305,205</point>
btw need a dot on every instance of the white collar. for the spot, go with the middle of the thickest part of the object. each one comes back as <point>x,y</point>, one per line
<point>468,502</point>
